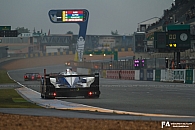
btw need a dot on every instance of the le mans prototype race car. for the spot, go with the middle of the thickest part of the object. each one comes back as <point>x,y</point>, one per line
<point>32,77</point>
<point>69,84</point>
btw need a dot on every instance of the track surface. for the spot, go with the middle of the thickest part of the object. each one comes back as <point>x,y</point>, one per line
<point>128,95</point>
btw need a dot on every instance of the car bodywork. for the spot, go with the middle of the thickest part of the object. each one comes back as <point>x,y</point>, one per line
<point>32,77</point>
<point>70,85</point>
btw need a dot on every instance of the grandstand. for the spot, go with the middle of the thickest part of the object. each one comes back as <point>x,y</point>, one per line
<point>180,12</point>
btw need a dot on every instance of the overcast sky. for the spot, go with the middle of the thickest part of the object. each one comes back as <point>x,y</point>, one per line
<point>104,15</point>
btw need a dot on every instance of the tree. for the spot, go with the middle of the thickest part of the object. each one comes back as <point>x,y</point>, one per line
<point>114,33</point>
<point>69,32</point>
<point>22,30</point>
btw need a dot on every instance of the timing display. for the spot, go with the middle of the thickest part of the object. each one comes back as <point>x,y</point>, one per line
<point>69,16</point>
<point>73,15</point>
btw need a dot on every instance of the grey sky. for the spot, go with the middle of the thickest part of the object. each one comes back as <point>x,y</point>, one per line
<point>104,15</point>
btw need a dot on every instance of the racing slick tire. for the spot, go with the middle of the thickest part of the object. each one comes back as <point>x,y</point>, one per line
<point>94,96</point>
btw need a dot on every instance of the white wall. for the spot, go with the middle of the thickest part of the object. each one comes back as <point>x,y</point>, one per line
<point>154,75</point>
<point>137,74</point>
<point>163,75</point>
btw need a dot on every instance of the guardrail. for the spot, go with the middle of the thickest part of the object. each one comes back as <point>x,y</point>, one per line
<point>112,65</point>
<point>4,60</point>
<point>186,76</point>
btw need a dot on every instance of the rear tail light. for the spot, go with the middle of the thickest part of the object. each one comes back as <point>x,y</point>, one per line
<point>33,77</point>
<point>25,76</point>
<point>52,94</point>
<point>90,93</point>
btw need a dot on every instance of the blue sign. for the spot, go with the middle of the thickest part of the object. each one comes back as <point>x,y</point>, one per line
<point>141,74</point>
<point>79,16</point>
<point>149,75</point>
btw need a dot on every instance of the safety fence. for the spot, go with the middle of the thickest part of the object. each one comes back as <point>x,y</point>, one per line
<point>114,65</point>
<point>160,75</point>
<point>128,64</point>
<point>41,54</point>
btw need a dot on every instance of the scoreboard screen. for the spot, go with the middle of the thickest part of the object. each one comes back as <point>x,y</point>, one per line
<point>73,15</point>
<point>160,40</point>
<point>68,16</point>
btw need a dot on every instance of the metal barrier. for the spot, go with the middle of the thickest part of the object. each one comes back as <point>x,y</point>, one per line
<point>179,75</point>
<point>189,76</point>
<point>163,75</point>
<point>115,65</point>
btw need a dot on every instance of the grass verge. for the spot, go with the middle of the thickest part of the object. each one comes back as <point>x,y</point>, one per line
<point>4,78</point>
<point>23,122</point>
<point>9,98</point>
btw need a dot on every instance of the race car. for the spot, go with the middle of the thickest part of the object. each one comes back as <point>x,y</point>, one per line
<point>32,77</point>
<point>70,84</point>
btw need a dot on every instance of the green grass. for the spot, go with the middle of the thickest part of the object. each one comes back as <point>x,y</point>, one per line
<point>4,78</point>
<point>9,98</point>
<point>19,100</point>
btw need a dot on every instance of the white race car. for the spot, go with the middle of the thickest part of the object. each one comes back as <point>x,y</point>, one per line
<point>71,82</point>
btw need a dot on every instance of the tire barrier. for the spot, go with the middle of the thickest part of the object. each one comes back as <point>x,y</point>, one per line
<point>128,74</point>
<point>121,74</point>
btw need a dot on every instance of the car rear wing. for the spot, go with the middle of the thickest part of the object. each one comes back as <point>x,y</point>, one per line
<point>90,75</point>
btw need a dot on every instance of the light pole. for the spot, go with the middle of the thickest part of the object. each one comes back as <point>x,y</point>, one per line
<point>104,56</point>
<point>166,63</point>
<point>21,37</point>
<point>111,61</point>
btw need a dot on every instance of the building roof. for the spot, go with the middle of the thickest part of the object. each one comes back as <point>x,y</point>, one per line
<point>149,21</point>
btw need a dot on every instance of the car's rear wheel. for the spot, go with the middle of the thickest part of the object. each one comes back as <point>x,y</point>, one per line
<point>94,96</point>
<point>97,96</point>
<point>86,96</point>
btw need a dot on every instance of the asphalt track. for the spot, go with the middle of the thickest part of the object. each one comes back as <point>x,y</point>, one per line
<point>128,95</point>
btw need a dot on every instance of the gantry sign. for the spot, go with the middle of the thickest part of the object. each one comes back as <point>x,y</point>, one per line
<point>79,16</point>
